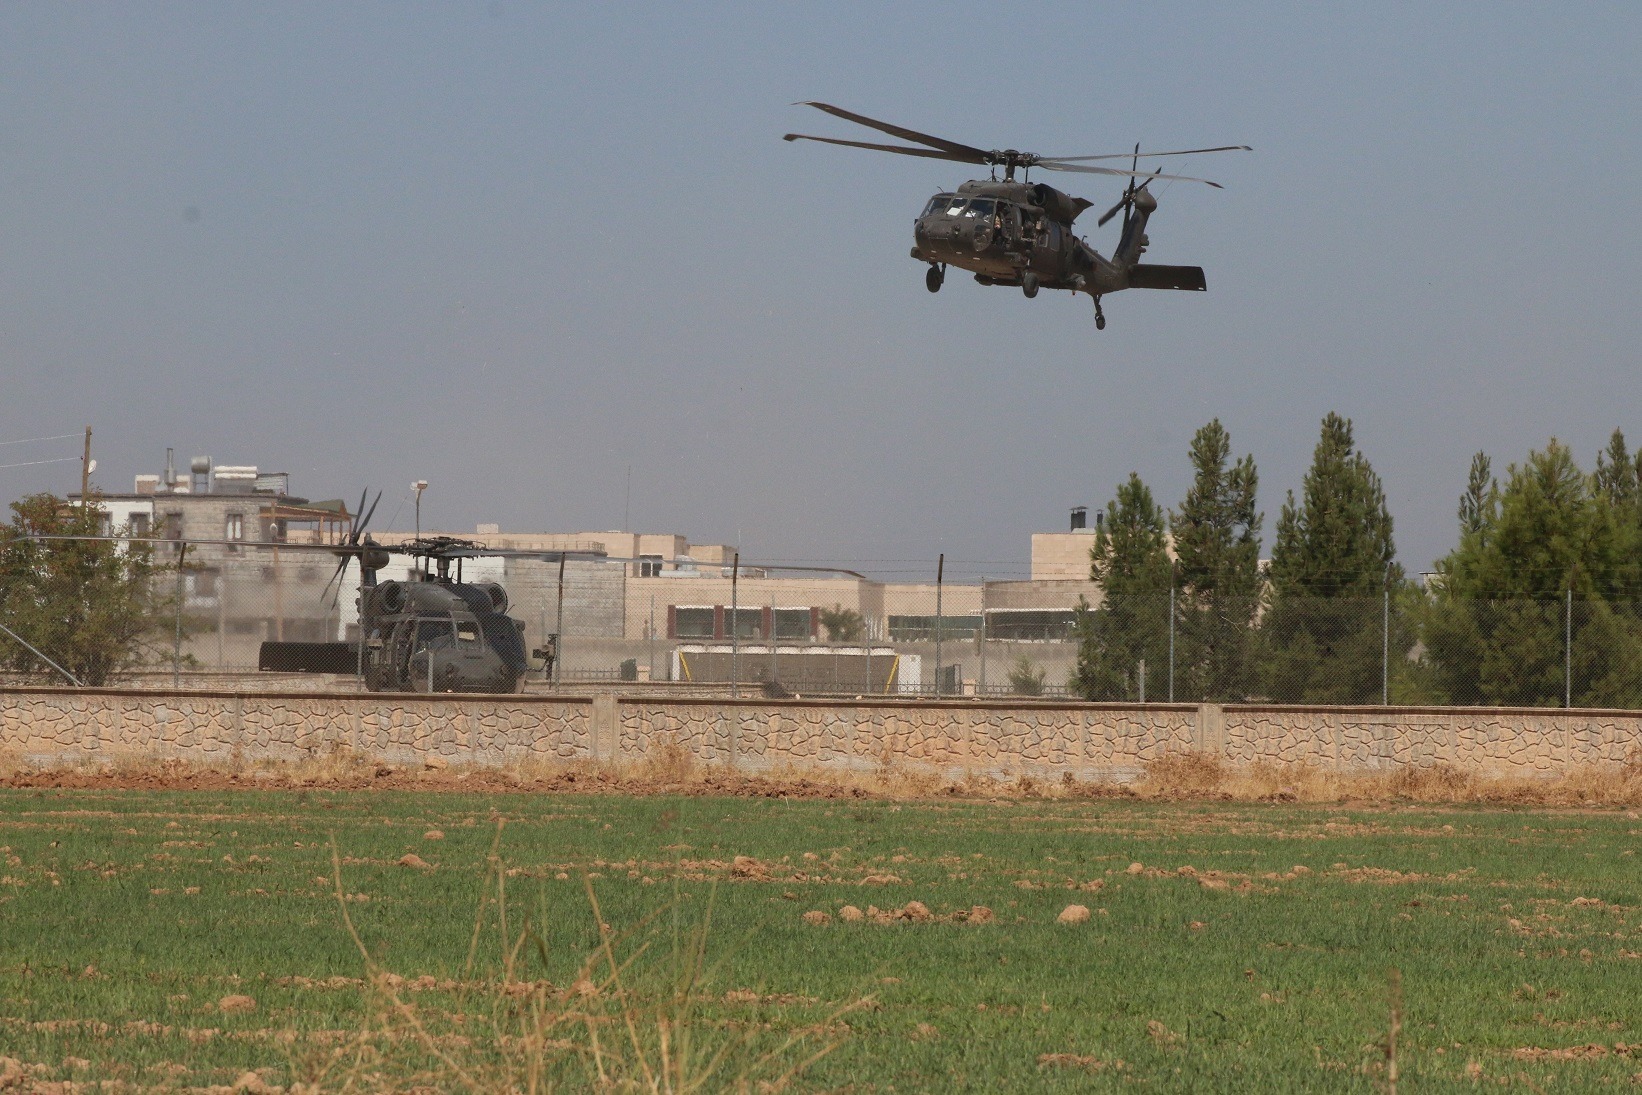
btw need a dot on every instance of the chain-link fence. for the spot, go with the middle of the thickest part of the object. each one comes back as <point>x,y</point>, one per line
<point>753,630</point>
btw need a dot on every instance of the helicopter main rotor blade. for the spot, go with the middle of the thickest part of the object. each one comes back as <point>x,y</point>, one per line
<point>353,536</point>
<point>1144,155</point>
<point>900,131</point>
<point>927,153</point>
<point>359,529</point>
<point>1056,165</point>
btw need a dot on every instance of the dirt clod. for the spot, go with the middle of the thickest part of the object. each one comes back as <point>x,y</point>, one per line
<point>754,870</point>
<point>1085,1061</point>
<point>252,1084</point>
<point>816,916</point>
<point>411,859</point>
<point>237,1002</point>
<point>851,913</point>
<point>1073,914</point>
<point>434,834</point>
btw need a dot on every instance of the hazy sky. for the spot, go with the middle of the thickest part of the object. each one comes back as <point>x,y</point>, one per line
<point>515,249</point>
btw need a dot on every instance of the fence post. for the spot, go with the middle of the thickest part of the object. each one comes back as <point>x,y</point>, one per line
<point>940,570</point>
<point>1171,631</point>
<point>1568,651</point>
<point>558,629</point>
<point>735,632</point>
<point>1385,642</point>
<point>981,687</point>
<point>176,639</point>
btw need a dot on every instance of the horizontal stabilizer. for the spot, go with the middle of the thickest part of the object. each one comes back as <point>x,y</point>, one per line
<point>1144,276</point>
<point>308,658</point>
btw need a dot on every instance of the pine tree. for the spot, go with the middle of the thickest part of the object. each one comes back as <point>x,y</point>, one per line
<point>1130,561</point>
<point>1480,502</point>
<point>1332,569</point>
<point>1555,561</point>
<point>1216,535</point>
<point>89,606</point>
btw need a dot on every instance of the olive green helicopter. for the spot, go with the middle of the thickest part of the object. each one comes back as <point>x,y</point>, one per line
<point>1009,232</point>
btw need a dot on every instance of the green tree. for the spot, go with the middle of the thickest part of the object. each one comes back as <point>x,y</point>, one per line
<point>1026,679</point>
<point>1324,634</point>
<point>1216,534</point>
<point>843,625</point>
<point>1130,560</point>
<point>1553,560</point>
<point>88,605</point>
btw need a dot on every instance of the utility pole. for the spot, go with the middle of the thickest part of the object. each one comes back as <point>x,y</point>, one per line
<point>419,486</point>
<point>85,472</point>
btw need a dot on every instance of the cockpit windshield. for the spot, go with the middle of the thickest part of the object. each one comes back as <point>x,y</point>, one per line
<point>979,207</point>
<point>937,204</point>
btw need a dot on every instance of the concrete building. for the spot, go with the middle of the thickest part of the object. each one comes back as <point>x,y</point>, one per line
<point>638,597</point>
<point>238,589</point>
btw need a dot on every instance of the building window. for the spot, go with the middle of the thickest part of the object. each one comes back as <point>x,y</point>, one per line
<point>922,628</point>
<point>649,566</point>
<point>792,623</point>
<point>1032,625</point>
<point>694,623</point>
<point>234,529</point>
<point>138,524</point>
<point>744,623</point>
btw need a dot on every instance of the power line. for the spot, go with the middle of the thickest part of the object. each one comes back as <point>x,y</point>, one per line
<point>32,463</point>
<point>31,440</point>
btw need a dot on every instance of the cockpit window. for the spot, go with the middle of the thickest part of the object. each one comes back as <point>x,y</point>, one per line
<point>432,632</point>
<point>955,205</point>
<point>979,207</point>
<point>937,204</point>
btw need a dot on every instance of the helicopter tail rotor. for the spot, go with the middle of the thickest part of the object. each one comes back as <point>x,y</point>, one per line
<point>1126,204</point>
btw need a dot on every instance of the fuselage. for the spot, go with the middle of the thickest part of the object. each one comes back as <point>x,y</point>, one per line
<point>441,636</point>
<point>1000,230</point>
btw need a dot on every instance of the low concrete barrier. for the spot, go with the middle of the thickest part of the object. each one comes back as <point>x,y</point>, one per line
<point>49,726</point>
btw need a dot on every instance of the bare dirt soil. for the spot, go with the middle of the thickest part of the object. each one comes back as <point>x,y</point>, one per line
<point>1178,777</point>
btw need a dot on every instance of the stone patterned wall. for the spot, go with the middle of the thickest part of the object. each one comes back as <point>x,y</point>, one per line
<point>1041,739</point>
<point>52,726</point>
<point>1111,742</point>
<point>1489,740</point>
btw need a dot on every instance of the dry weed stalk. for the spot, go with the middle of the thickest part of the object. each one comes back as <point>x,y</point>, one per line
<point>1393,1029</point>
<point>601,1031</point>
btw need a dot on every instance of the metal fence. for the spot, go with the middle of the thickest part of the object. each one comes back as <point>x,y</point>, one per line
<point>756,631</point>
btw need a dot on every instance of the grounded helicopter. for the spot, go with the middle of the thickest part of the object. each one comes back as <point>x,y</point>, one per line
<point>434,633</point>
<point>1020,233</point>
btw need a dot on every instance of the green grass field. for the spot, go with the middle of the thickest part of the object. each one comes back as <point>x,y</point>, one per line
<point>1228,948</point>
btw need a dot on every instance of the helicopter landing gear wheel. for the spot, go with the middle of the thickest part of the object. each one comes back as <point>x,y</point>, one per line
<point>1029,284</point>
<point>1100,317</point>
<point>933,278</point>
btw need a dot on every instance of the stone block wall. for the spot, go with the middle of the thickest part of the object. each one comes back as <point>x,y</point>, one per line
<point>1089,741</point>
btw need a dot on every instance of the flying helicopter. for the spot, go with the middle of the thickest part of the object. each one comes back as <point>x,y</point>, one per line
<point>1009,232</point>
